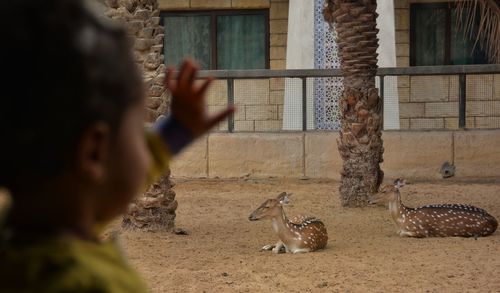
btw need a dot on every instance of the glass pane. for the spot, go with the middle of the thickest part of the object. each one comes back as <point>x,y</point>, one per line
<point>430,27</point>
<point>187,37</point>
<point>463,50</point>
<point>241,42</point>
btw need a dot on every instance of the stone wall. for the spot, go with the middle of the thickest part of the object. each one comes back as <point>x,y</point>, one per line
<point>416,155</point>
<point>431,102</point>
<point>259,102</point>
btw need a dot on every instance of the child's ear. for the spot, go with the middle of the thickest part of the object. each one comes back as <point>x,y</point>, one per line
<point>93,151</point>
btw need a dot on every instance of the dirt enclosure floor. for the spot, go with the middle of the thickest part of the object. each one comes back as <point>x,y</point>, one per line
<point>364,254</point>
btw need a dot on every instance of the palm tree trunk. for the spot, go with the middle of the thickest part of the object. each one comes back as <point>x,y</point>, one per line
<point>360,143</point>
<point>156,209</point>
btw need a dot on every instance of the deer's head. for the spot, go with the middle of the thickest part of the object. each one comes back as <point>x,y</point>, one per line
<point>388,193</point>
<point>270,208</point>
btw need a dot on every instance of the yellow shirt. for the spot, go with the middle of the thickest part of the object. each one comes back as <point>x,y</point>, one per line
<point>71,264</point>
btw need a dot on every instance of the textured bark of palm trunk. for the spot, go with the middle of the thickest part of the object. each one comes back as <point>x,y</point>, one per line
<point>360,143</point>
<point>155,211</point>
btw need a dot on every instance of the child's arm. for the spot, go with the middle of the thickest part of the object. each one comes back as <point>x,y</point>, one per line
<point>188,119</point>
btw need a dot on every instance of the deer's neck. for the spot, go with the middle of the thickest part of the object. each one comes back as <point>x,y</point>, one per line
<point>397,209</point>
<point>282,226</point>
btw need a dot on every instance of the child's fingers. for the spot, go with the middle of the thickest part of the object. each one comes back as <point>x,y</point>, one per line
<point>192,73</point>
<point>184,74</point>
<point>219,117</point>
<point>203,88</point>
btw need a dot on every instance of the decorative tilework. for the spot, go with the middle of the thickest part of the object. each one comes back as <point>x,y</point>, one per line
<point>327,90</point>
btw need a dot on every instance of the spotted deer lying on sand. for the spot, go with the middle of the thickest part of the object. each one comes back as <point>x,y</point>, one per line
<point>300,234</point>
<point>435,220</point>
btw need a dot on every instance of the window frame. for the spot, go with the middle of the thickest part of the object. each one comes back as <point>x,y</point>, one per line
<point>213,27</point>
<point>413,13</point>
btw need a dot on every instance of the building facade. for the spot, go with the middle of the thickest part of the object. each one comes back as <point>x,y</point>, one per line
<point>262,34</point>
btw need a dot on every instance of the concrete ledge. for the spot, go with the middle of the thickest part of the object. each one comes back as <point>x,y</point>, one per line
<point>322,156</point>
<point>192,162</point>
<point>409,154</point>
<point>416,155</point>
<point>256,155</point>
<point>477,153</point>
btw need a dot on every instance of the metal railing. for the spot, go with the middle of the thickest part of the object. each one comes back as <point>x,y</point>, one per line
<point>462,71</point>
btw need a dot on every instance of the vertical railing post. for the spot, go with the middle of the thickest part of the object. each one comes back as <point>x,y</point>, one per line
<point>304,104</point>
<point>462,101</point>
<point>230,103</point>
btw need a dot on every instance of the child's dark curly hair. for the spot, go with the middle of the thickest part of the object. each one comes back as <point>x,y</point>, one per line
<point>64,69</point>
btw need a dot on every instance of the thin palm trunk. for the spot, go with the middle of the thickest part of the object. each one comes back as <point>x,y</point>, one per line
<point>360,143</point>
<point>156,209</point>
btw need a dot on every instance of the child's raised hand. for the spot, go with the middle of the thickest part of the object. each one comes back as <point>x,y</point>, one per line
<point>188,104</point>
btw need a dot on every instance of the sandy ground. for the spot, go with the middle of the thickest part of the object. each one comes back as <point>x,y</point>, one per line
<point>364,254</point>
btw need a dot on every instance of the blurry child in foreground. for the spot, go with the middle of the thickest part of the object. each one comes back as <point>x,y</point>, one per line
<point>73,151</point>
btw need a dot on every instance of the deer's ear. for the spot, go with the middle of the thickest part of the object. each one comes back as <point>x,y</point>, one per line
<point>398,183</point>
<point>283,198</point>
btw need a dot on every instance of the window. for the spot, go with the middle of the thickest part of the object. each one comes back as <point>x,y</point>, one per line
<point>436,39</point>
<point>229,39</point>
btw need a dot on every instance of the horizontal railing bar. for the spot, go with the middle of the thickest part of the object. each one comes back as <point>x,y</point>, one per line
<point>387,71</point>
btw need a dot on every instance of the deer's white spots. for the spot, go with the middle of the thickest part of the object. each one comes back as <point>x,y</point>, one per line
<point>292,233</point>
<point>440,220</point>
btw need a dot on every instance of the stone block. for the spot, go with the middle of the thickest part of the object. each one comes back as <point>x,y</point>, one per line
<point>217,93</point>
<point>243,126</point>
<point>401,4</point>
<point>277,84</point>
<point>278,10</point>
<point>403,81</point>
<point>278,40</point>
<point>173,4</point>
<point>193,161</point>
<point>256,155</point>
<point>246,4</point>
<point>402,61</point>
<point>322,157</point>
<point>426,123</point>
<point>409,110</point>
<point>451,123</point>
<point>404,94</point>
<point>445,109</point>
<point>496,87</point>
<point>278,64</point>
<point>416,155</point>
<point>264,112</point>
<point>278,26</point>
<point>277,97</point>
<point>429,88</point>
<point>280,112</point>
<point>487,122</point>
<point>483,108</point>
<point>402,50</point>
<point>251,92</point>
<point>476,153</point>
<point>212,4</point>
<point>454,88</point>
<point>239,113</point>
<point>402,19</point>
<point>404,123</point>
<point>402,37</point>
<point>479,87</point>
<point>277,53</point>
<point>268,125</point>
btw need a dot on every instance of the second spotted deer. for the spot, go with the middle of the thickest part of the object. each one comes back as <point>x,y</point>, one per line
<point>440,220</point>
<point>299,234</point>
